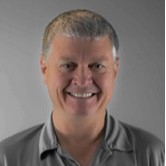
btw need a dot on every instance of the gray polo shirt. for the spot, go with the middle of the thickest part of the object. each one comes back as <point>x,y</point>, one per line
<point>123,145</point>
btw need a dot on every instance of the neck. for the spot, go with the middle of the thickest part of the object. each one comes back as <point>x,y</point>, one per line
<point>75,130</point>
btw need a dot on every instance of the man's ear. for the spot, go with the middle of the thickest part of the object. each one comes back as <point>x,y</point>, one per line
<point>43,66</point>
<point>116,65</point>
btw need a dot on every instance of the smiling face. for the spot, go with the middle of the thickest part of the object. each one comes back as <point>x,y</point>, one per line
<point>79,74</point>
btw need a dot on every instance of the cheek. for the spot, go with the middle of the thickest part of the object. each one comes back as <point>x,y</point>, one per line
<point>56,84</point>
<point>107,86</point>
<point>106,82</point>
<point>57,81</point>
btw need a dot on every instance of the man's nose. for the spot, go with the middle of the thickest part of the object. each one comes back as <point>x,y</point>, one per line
<point>82,76</point>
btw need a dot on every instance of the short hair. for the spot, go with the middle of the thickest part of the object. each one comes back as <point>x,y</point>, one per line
<point>80,23</point>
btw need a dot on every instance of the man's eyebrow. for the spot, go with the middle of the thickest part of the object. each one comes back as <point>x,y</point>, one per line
<point>101,58</point>
<point>66,58</point>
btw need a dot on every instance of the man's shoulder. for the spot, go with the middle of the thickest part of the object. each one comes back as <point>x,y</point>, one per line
<point>137,135</point>
<point>144,142</point>
<point>20,140</point>
<point>141,134</point>
<point>146,147</point>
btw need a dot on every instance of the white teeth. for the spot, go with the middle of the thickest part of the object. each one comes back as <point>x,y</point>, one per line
<point>81,95</point>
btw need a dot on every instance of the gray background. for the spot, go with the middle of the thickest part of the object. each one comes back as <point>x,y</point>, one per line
<point>139,93</point>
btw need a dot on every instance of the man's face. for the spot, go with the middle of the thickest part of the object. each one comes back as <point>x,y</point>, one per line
<point>79,74</point>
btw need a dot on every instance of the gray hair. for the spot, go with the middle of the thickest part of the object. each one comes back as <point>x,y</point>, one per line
<point>81,24</point>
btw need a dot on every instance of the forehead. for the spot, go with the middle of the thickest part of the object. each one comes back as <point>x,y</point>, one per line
<point>69,47</point>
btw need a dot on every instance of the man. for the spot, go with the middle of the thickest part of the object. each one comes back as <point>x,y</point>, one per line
<point>79,64</point>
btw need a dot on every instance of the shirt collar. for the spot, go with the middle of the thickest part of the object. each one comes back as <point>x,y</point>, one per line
<point>116,135</point>
<point>48,140</point>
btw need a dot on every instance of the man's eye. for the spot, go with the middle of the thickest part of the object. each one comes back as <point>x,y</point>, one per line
<point>68,66</point>
<point>97,67</point>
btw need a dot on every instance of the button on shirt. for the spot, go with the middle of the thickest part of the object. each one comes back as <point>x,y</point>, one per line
<point>123,145</point>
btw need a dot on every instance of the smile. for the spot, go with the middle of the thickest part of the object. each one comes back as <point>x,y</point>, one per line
<point>81,95</point>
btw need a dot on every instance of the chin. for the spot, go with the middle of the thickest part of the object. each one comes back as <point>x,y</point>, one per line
<point>82,111</point>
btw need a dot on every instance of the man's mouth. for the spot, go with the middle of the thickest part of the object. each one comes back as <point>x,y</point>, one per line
<point>81,95</point>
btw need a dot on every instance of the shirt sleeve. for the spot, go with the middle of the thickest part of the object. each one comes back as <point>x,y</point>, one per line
<point>149,150</point>
<point>157,155</point>
<point>2,160</point>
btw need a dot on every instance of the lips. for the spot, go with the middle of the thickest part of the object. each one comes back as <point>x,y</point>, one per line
<point>82,93</point>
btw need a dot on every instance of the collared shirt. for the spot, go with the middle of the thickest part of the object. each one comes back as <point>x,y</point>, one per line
<point>123,145</point>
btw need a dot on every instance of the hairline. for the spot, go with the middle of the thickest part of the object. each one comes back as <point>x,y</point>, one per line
<point>46,52</point>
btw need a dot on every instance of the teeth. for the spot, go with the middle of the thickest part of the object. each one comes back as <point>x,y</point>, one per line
<point>81,95</point>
